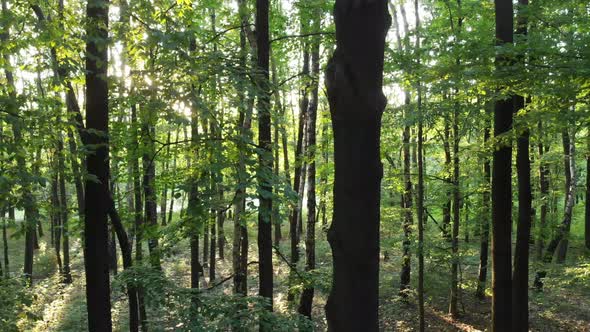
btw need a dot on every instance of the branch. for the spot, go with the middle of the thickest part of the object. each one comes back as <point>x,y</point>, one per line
<point>320,33</point>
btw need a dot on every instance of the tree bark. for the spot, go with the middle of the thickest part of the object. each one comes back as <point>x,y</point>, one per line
<point>587,207</point>
<point>420,188</point>
<point>560,241</point>
<point>354,80</point>
<point>520,276</point>
<point>265,157</point>
<point>544,191</point>
<point>502,186</point>
<point>298,184</point>
<point>5,241</point>
<point>453,308</point>
<point>485,220</point>
<point>96,206</point>
<point>305,305</point>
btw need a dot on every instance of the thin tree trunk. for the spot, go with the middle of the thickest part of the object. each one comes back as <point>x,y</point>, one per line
<point>27,196</point>
<point>587,207</point>
<point>5,241</point>
<point>521,252</point>
<point>544,193</point>
<point>55,213</point>
<point>149,178</point>
<point>306,301</point>
<point>455,287</point>
<point>559,241</point>
<point>484,235</point>
<point>354,81</point>
<point>299,166</point>
<point>240,236</point>
<point>420,188</point>
<point>164,199</point>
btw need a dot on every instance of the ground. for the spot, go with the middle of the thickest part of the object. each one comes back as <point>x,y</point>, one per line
<point>563,305</point>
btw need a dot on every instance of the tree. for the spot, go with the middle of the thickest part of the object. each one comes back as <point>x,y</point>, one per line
<point>501,184</point>
<point>520,307</point>
<point>96,189</point>
<point>265,157</point>
<point>354,84</point>
<point>308,292</point>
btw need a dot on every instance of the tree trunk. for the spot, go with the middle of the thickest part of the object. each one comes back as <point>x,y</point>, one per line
<point>544,193</point>
<point>5,241</point>
<point>587,208</point>
<point>560,239</point>
<point>55,213</point>
<point>96,206</point>
<point>448,162</point>
<point>194,210</point>
<point>502,187</point>
<point>149,182</point>
<point>240,236</point>
<point>137,188</point>
<point>420,188</point>
<point>453,308</point>
<point>521,252</point>
<point>306,302</point>
<point>484,235</point>
<point>299,166</point>
<point>164,198</point>
<point>265,156</point>
<point>27,196</point>
<point>354,81</point>
<point>520,277</point>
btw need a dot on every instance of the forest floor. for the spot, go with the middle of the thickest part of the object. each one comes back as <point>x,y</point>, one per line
<point>563,305</point>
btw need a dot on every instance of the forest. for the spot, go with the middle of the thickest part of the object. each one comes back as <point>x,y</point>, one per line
<point>304,165</point>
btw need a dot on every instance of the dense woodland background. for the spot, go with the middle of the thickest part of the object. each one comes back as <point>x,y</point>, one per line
<point>178,158</point>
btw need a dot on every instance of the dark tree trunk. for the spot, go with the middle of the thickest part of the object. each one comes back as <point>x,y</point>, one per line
<point>265,156</point>
<point>485,220</point>
<point>502,187</point>
<point>520,276</point>
<point>521,252</point>
<point>194,210</point>
<point>96,206</point>
<point>240,236</point>
<point>306,302</point>
<point>354,79</point>
<point>135,295</point>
